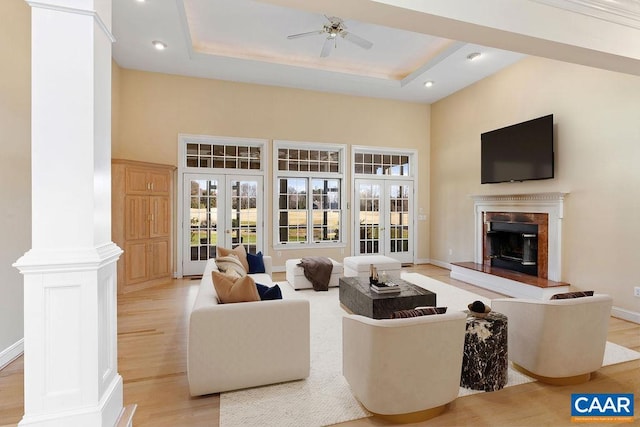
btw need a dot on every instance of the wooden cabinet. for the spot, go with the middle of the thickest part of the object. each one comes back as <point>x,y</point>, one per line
<point>142,195</point>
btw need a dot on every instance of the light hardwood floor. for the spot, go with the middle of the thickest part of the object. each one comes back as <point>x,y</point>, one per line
<point>152,339</point>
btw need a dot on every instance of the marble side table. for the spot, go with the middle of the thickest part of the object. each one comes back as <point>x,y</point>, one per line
<point>485,363</point>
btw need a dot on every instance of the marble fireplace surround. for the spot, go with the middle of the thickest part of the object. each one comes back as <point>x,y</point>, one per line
<point>551,204</point>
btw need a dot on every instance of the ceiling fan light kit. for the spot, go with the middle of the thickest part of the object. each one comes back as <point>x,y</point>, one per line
<point>334,28</point>
<point>474,55</point>
<point>159,45</point>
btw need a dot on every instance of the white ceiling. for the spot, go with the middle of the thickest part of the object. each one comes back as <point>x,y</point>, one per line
<point>246,41</point>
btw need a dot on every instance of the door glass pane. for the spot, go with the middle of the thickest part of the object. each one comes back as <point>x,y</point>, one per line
<point>399,218</point>
<point>369,218</point>
<point>203,216</point>
<point>244,214</point>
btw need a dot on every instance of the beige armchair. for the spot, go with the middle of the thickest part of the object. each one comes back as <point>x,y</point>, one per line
<point>404,370</point>
<point>557,341</point>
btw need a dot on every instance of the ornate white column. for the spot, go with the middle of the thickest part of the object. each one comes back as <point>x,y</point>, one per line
<point>70,361</point>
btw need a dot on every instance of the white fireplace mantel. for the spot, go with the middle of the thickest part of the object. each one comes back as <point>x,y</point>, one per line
<point>550,203</point>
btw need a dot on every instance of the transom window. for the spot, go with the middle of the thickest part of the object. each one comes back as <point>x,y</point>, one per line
<point>309,193</point>
<point>381,164</point>
<point>223,155</point>
<point>308,160</point>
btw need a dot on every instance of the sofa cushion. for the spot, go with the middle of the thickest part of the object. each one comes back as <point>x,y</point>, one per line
<point>569,295</point>
<point>232,290</point>
<point>269,293</point>
<point>418,311</point>
<point>239,251</point>
<point>229,263</point>
<point>256,263</point>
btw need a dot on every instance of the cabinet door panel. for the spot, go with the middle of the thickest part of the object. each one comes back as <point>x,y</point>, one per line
<point>160,216</point>
<point>136,218</point>
<point>136,181</point>
<point>136,258</point>
<point>160,258</point>
<point>159,182</point>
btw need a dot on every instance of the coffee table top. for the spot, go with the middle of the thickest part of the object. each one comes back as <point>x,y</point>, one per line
<point>358,298</point>
<point>406,289</point>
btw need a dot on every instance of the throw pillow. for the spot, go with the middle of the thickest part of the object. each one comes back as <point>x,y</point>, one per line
<point>238,251</point>
<point>231,290</point>
<point>269,293</point>
<point>229,264</point>
<point>569,295</point>
<point>418,311</point>
<point>233,274</point>
<point>256,263</point>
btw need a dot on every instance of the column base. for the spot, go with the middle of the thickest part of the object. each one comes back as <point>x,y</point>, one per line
<point>105,414</point>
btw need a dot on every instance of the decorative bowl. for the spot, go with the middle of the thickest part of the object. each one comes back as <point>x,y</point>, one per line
<point>479,309</point>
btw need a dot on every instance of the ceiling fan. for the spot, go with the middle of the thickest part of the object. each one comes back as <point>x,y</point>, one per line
<point>334,28</point>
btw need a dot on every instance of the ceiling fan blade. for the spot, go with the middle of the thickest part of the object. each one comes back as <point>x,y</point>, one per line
<point>310,33</point>
<point>326,47</point>
<point>365,44</point>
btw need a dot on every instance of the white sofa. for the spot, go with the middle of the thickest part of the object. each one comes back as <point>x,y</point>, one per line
<point>248,344</point>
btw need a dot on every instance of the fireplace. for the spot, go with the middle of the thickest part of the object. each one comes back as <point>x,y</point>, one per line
<point>518,245</point>
<point>503,213</point>
<point>516,241</point>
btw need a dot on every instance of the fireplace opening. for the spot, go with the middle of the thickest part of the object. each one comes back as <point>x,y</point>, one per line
<point>513,246</point>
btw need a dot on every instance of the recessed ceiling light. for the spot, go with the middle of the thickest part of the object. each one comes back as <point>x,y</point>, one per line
<point>428,84</point>
<point>159,45</point>
<point>473,55</point>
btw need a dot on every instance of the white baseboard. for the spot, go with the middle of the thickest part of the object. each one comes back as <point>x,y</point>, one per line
<point>440,264</point>
<point>422,261</point>
<point>11,353</point>
<point>625,314</point>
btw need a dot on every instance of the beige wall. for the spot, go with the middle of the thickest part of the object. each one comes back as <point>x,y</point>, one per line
<point>15,161</point>
<point>154,108</point>
<point>597,117</point>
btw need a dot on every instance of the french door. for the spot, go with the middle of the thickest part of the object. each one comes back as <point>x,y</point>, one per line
<point>384,218</point>
<point>220,210</point>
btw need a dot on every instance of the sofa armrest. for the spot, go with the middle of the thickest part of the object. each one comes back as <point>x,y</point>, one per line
<point>233,346</point>
<point>268,264</point>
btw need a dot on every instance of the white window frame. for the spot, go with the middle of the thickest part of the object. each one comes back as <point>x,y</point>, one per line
<point>183,140</point>
<point>412,177</point>
<point>309,176</point>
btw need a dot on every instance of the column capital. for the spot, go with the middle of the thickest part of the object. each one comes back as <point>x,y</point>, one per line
<point>56,260</point>
<point>94,8</point>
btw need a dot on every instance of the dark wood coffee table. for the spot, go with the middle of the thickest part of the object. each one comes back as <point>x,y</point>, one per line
<point>358,298</point>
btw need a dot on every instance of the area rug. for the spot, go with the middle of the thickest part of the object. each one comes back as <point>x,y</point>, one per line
<point>324,398</point>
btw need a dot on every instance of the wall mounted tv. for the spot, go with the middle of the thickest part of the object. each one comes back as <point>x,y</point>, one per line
<point>519,152</point>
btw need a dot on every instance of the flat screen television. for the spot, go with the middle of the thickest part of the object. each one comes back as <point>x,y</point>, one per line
<point>519,152</point>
